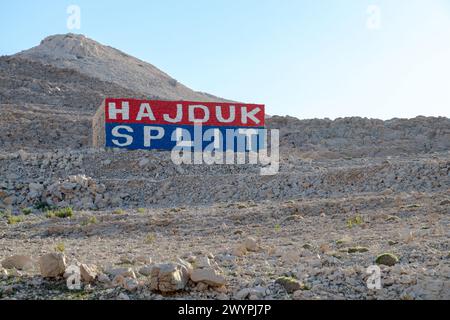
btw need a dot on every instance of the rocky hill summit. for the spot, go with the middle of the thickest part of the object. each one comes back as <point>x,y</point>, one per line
<point>108,64</point>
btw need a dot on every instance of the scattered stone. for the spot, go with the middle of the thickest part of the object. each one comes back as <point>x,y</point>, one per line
<point>52,265</point>
<point>143,162</point>
<point>130,284</point>
<point>8,290</point>
<point>257,292</point>
<point>298,295</point>
<point>123,296</point>
<point>125,272</point>
<point>208,276</point>
<point>344,240</point>
<point>201,286</point>
<point>4,273</point>
<point>88,273</point>
<point>126,260</point>
<point>202,262</point>
<point>290,284</point>
<point>120,281</point>
<point>169,277</point>
<point>242,294</point>
<point>106,162</point>
<point>19,262</point>
<point>103,278</point>
<point>145,270</point>
<point>251,244</point>
<point>239,251</point>
<point>144,259</point>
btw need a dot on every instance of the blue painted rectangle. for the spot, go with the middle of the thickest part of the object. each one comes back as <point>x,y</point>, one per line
<point>131,136</point>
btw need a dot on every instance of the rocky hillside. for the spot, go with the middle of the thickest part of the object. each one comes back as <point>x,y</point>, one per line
<point>350,193</point>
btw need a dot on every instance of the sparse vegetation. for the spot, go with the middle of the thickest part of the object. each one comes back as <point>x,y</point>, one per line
<point>27,211</point>
<point>60,247</point>
<point>411,206</point>
<point>14,219</point>
<point>90,220</point>
<point>387,259</point>
<point>43,206</point>
<point>5,213</point>
<point>60,213</point>
<point>355,221</point>
<point>291,284</point>
<point>141,210</point>
<point>392,218</point>
<point>118,211</point>
<point>357,249</point>
<point>343,240</point>
<point>150,238</point>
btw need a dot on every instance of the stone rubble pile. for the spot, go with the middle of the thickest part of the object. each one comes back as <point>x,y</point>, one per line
<point>78,192</point>
<point>163,277</point>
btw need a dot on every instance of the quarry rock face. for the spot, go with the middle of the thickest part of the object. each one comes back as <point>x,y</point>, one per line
<point>348,191</point>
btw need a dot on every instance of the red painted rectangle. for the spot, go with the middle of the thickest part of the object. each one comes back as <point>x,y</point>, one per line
<point>184,112</point>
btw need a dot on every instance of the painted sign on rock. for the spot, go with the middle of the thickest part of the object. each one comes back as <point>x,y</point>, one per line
<point>164,125</point>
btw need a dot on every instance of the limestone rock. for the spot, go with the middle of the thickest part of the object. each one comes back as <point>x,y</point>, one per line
<point>208,276</point>
<point>19,262</point>
<point>239,251</point>
<point>251,244</point>
<point>103,278</point>
<point>52,265</point>
<point>123,296</point>
<point>125,272</point>
<point>145,270</point>
<point>143,162</point>
<point>88,273</point>
<point>168,277</point>
<point>130,284</point>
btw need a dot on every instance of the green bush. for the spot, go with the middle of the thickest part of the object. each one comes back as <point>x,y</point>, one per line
<point>26,211</point>
<point>357,220</point>
<point>60,247</point>
<point>43,206</point>
<point>118,211</point>
<point>60,213</point>
<point>90,220</point>
<point>14,219</point>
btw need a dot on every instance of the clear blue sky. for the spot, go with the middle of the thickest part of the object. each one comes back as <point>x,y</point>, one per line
<point>305,58</point>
